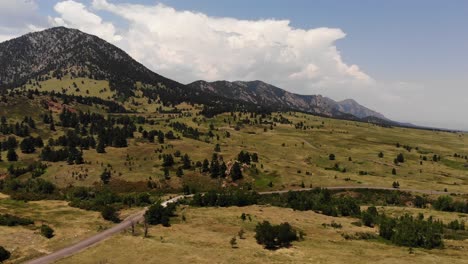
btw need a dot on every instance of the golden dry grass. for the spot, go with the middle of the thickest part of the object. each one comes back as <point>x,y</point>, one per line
<point>204,238</point>
<point>70,225</point>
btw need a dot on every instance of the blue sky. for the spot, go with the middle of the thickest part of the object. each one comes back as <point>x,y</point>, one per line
<point>390,39</point>
<point>414,52</point>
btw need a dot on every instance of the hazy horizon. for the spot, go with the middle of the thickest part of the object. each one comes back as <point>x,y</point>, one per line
<point>405,60</point>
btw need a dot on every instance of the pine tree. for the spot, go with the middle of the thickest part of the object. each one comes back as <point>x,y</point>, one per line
<point>160,137</point>
<point>166,173</point>
<point>222,170</point>
<point>217,148</point>
<point>106,176</point>
<point>236,172</point>
<point>27,145</point>
<point>215,170</point>
<point>100,148</point>
<point>206,166</point>
<point>11,155</point>
<point>180,172</point>
<point>187,164</point>
<point>168,160</point>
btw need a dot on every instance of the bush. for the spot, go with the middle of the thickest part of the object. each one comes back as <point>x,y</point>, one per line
<point>47,231</point>
<point>11,220</point>
<point>109,213</point>
<point>400,158</point>
<point>275,236</point>
<point>4,254</point>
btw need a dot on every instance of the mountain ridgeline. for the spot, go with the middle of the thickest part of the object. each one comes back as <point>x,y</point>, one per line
<point>261,93</point>
<point>56,52</point>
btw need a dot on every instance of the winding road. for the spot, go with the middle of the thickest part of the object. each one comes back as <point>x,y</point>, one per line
<point>137,217</point>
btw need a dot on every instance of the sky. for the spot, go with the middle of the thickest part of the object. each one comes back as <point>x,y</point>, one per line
<point>405,59</point>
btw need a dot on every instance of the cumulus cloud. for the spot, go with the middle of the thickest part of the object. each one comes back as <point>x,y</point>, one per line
<point>76,15</point>
<point>188,46</point>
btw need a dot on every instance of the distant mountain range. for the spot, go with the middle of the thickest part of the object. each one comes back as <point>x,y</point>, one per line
<point>262,93</point>
<point>59,51</point>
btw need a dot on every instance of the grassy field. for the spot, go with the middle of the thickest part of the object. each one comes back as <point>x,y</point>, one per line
<point>288,156</point>
<point>70,225</point>
<point>204,238</point>
<point>356,149</point>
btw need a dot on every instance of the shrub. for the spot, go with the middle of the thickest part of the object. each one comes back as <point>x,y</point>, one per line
<point>4,254</point>
<point>400,158</point>
<point>11,220</point>
<point>275,236</point>
<point>109,213</point>
<point>158,214</point>
<point>47,231</point>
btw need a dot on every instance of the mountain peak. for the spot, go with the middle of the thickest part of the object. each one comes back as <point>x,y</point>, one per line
<point>352,107</point>
<point>62,50</point>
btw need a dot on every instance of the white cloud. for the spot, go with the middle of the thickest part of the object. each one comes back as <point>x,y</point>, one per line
<point>76,15</point>
<point>187,46</point>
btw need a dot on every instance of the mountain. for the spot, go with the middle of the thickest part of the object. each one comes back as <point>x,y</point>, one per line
<point>261,93</point>
<point>354,108</point>
<point>60,51</point>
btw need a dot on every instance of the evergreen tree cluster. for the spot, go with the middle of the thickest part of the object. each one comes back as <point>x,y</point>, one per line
<point>158,214</point>
<point>29,144</point>
<point>22,129</point>
<point>29,190</point>
<point>151,135</point>
<point>36,168</point>
<point>70,154</point>
<point>112,106</point>
<point>186,131</point>
<point>446,203</point>
<point>73,139</point>
<point>225,198</point>
<point>320,200</point>
<point>412,231</point>
<point>96,200</point>
<point>246,157</point>
<point>10,143</point>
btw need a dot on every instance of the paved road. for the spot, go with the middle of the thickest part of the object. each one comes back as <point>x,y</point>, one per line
<point>137,217</point>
